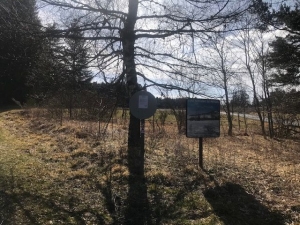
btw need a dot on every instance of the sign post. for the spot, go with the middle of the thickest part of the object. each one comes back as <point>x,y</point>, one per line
<point>202,120</point>
<point>142,121</point>
<point>201,153</point>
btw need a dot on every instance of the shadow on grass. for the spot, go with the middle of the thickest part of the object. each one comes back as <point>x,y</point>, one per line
<point>168,204</point>
<point>236,207</point>
<point>18,206</point>
<point>7,208</point>
<point>176,201</point>
<point>137,209</point>
<point>10,204</point>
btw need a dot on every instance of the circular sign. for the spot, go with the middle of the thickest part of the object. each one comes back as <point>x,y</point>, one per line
<point>142,105</point>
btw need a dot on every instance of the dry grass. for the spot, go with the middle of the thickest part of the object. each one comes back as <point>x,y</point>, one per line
<point>72,174</point>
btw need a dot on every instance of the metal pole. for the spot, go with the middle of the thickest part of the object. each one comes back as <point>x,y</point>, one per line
<point>143,135</point>
<point>201,153</point>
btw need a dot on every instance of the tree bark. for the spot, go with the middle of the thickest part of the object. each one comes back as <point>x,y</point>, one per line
<point>258,109</point>
<point>229,119</point>
<point>137,202</point>
<point>229,116</point>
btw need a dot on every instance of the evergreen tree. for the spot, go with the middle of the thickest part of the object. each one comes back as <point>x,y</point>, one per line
<point>19,48</point>
<point>75,57</point>
<point>48,76</point>
<point>285,57</point>
<point>75,60</point>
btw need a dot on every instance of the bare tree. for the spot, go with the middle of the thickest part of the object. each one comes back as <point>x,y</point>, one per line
<point>150,42</point>
<point>261,51</point>
<point>223,60</point>
<point>245,43</point>
<point>239,103</point>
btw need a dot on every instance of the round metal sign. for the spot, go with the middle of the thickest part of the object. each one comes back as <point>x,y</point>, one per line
<point>142,105</point>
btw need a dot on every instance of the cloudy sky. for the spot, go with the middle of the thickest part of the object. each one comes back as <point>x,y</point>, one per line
<point>49,14</point>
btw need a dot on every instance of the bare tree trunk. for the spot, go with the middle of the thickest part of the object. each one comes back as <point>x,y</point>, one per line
<point>229,116</point>
<point>128,41</point>
<point>269,107</point>
<point>247,48</point>
<point>71,105</point>
<point>257,105</point>
<point>137,202</point>
<point>265,84</point>
<point>245,121</point>
<point>258,111</point>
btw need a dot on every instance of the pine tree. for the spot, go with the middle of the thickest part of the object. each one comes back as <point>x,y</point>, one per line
<point>75,60</point>
<point>48,76</point>
<point>19,48</point>
<point>285,57</point>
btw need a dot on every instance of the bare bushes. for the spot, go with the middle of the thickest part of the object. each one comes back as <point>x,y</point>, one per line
<point>85,106</point>
<point>286,113</point>
<point>180,116</point>
<point>287,125</point>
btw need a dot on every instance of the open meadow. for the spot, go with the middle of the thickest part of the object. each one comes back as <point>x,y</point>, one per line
<point>75,172</point>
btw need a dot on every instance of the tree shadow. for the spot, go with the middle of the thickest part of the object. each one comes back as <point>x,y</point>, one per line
<point>7,208</point>
<point>10,204</point>
<point>137,202</point>
<point>174,201</point>
<point>235,206</point>
<point>18,206</point>
<point>164,202</point>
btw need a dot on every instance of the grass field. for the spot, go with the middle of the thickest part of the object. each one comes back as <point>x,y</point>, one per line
<point>72,174</point>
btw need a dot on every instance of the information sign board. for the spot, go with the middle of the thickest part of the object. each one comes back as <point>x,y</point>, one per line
<point>202,118</point>
<point>142,105</point>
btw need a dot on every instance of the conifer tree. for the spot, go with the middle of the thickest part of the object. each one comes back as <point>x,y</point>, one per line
<point>19,48</point>
<point>285,54</point>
